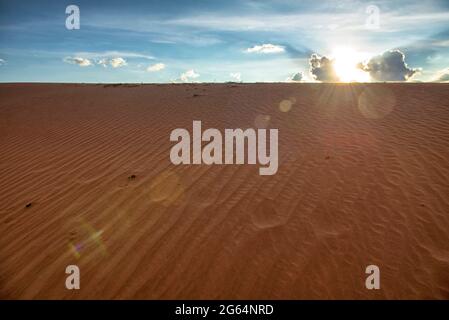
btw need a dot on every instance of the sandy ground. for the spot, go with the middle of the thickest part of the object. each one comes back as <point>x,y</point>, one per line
<point>363,179</point>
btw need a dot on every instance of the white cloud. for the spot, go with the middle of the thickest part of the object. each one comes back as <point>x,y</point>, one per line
<point>265,48</point>
<point>442,43</point>
<point>188,75</point>
<point>2,62</point>
<point>113,54</point>
<point>117,62</point>
<point>236,76</point>
<point>442,76</point>
<point>393,20</point>
<point>82,62</point>
<point>115,59</point>
<point>156,67</point>
<point>186,38</point>
<point>103,62</point>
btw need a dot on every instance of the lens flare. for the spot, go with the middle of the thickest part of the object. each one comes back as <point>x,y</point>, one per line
<point>286,105</point>
<point>376,102</point>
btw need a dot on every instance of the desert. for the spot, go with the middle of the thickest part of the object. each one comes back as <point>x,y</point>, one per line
<point>86,179</point>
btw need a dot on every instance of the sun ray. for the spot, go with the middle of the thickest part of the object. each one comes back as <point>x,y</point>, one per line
<point>345,64</point>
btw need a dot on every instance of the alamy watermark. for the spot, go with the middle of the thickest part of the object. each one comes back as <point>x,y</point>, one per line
<point>72,282</point>
<point>373,20</point>
<point>72,22</point>
<point>234,140</point>
<point>373,280</point>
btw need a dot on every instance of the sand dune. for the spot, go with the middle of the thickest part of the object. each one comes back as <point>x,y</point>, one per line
<point>363,179</point>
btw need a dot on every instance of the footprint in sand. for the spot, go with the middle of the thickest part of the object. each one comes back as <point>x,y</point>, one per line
<point>265,215</point>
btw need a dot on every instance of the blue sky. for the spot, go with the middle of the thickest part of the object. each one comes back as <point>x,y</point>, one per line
<point>208,41</point>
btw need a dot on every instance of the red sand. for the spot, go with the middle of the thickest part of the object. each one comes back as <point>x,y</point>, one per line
<point>363,179</point>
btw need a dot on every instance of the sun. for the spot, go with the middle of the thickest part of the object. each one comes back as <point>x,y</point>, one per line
<point>345,65</point>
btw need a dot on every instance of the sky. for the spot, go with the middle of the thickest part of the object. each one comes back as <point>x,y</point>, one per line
<point>219,41</point>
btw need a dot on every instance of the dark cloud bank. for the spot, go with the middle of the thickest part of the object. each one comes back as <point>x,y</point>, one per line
<point>322,69</point>
<point>389,66</point>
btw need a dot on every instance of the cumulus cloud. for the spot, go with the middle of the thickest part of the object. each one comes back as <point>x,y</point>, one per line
<point>2,62</point>
<point>444,77</point>
<point>103,62</point>
<point>236,76</point>
<point>297,77</point>
<point>156,67</point>
<point>115,59</point>
<point>389,66</point>
<point>265,48</point>
<point>82,62</point>
<point>189,75</point>
<point>322,69</point>
<point>117,62</point>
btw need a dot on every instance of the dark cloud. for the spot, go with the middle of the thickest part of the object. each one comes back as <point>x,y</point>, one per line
<point>297,76</point>
<point>444,76</point>
<point>322,69</point>
<point>389,66</point>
